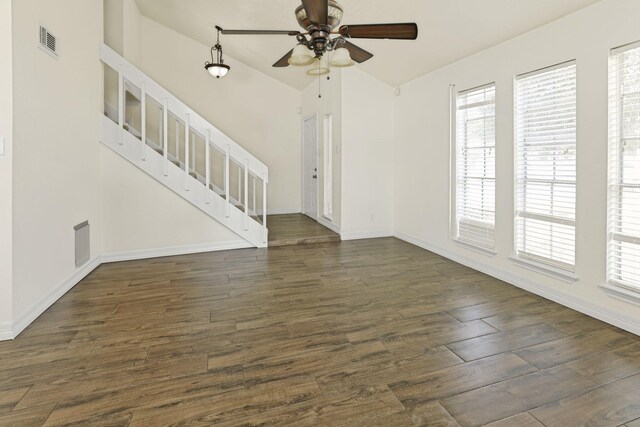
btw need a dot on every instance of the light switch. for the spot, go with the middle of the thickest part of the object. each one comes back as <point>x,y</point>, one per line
<point>2,144</point>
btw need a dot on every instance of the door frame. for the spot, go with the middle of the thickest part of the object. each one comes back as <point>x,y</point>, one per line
<point>313,116</point>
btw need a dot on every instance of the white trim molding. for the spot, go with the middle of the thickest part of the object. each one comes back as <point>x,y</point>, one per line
<point>175,250</point>
<point>282,211</point>
<point>6,331</point>
<point>621,293</point>
<point>576,303</point>
<point>547,270</point>
<point>475,248</point>
<point>365,234</point>
<point>330,225</point>
<point>37,309</point>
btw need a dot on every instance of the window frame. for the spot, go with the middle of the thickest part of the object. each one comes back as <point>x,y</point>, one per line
<point>545,265</point>
<point>614,282</point>
<point>459,145</point>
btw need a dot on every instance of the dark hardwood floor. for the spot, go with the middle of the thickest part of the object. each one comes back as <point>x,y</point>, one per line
<point>297,229</point>
<point>361,333</point>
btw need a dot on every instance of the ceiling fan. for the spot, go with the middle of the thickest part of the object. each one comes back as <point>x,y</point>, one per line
<point>320,20</point>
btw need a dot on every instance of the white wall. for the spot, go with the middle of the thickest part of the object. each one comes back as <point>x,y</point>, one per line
<point>422,150</point>
<point>55,156</point>
<point>257,111</point>
<point>363,150</point>
<point>141,214</point>
<point>6,107</point>
<point>131,21</point>
<point>367,156</point>
<point>113,26</point>
<point>329,104</point>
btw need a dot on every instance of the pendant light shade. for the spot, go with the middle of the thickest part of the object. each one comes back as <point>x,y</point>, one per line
<point>217,70</point>
<point>341,58</point>
<point>301,56</point>
<point>319,67</point>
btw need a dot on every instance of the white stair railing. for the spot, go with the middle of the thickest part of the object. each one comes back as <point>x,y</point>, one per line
<point>131,143</point>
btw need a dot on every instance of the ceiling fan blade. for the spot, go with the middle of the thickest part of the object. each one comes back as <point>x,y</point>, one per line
<point>406,31</point>
<point>261,32</point>
<point>358,54</point>
<point>284,61</point>
<point>317,11</point>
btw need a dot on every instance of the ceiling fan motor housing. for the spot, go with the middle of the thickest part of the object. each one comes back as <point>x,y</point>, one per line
<point>334,16</point>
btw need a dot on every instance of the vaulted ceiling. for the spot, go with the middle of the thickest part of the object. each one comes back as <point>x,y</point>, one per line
<point>449,30</point>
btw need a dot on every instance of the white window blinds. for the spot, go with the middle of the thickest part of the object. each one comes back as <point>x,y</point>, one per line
<point>475,166</point>
<point>546,165</point>
<point>623,264</point>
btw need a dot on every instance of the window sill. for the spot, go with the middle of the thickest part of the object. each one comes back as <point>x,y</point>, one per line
<point>547,270</point>
<point>621,293</point>
<point>475,248</point>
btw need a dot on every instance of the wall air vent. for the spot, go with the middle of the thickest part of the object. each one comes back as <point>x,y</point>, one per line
<point>83,245</point>
<point>48,42</point>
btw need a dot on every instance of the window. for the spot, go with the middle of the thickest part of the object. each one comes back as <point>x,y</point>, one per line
<point>623,266</point>
<point>545,166</point>
<point>328,167</point>
<point>475,166</point>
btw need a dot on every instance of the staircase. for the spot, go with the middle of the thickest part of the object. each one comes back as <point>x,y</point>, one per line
<point>165,138</point>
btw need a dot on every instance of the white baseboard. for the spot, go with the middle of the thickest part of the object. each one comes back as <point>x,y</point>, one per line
<point>39,308</point>
<point>282,211</point>
<point>326,223</point>
<point>6,331</point>
<point>576,303</point>
<point>175,250</point>
<point>365,234</point>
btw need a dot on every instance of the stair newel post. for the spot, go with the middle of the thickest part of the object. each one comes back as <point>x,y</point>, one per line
<point>207,163</point>
<point>165,135</point>
<point>246,194</point>
<point>143,119</point>
<point>226,180</point>
<point>121,104</point>
<point>187,143</point>
<point>264,207</point>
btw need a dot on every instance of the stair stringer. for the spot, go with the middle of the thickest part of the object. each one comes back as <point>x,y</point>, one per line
<point>189,188</point>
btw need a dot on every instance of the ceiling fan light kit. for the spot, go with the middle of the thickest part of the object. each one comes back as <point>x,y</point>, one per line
<point>301,56</point>
<point>319,18</point>
<point>320,67</point>
<point>341,58</point>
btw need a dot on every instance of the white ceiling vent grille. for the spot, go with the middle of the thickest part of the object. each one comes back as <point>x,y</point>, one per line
<point>48,42</point>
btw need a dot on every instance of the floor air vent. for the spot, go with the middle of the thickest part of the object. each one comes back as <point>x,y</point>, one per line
<point>48,42</point>
<point>83,244</point>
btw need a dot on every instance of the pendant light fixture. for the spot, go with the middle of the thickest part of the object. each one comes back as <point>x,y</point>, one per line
<point>217,68</point>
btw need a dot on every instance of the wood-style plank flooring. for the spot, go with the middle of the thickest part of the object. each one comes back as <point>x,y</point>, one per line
<point>360,333</point>
<point>297,229</point>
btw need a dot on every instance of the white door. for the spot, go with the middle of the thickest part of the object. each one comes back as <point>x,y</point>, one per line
<point>310,167</point>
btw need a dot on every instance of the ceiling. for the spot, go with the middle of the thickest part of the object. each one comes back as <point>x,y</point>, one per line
<point>449,30</point>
